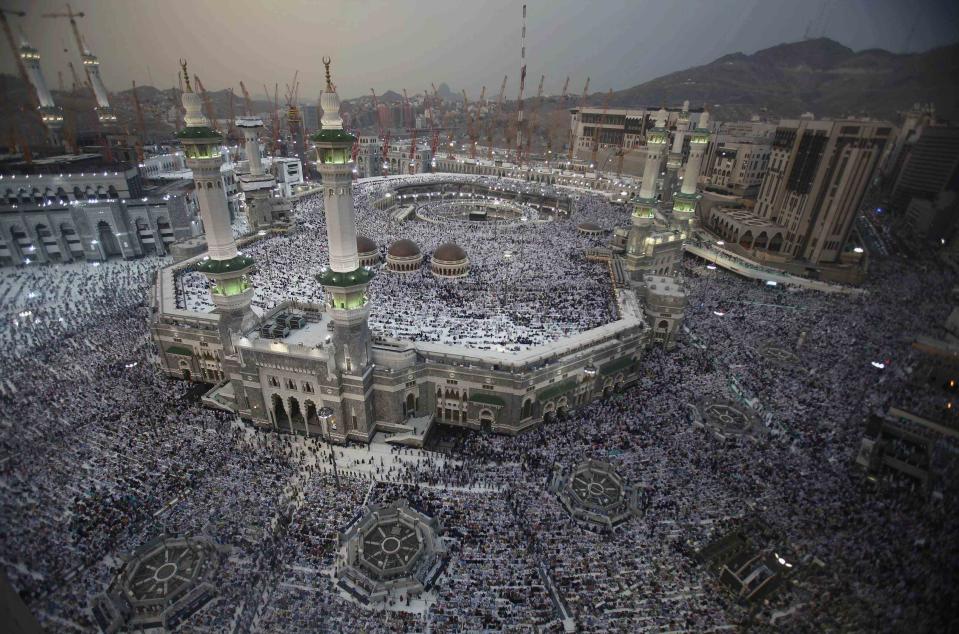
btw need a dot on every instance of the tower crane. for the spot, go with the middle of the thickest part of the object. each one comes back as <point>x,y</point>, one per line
<point>73,25</point>
<point>15,50</point>
<point>246,100</point>
<point>434,133</point>
<point>520,124</point>
<point>473,134</point>
<point>491,117</point>
<point>550,130</point>
<point>596,128</point>
<point>582,104</point>
<point>412,166</point>
<point>534,116</point>
<point>207,102</point>
<point>384,135</point>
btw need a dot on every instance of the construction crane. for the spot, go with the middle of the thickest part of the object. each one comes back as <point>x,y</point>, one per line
<point>73,25</point>
<point>434,133</point>
<point>582,104</point>
<point>490,120</point>
<point>14,49</point>
<point>550,129</point>
<point>31,89</point>
<point>77,84</point>
<point>384,135</point>
<point>472,122</point>
<point>246,100</point>
<point>412,129</point>
<point>141,128</point>
<point>534,116</point>
<point>207,102</point>
<point>519,100</point>
<point>596,128</point>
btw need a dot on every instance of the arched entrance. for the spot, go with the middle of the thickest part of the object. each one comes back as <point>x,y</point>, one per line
<point>486,420</point>
<point>108,241</point>
<point>409,408</point>
<point>297,422</point>
<point>281,420</point>
<point>312,419</point>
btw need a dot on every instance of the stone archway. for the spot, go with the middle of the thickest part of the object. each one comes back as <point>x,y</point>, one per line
<point>280,418</point>
<point>297,421</point>
<point>410,405</point>
<point>108,240</point>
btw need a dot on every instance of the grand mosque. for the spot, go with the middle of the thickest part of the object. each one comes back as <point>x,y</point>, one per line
<point>319,371</point>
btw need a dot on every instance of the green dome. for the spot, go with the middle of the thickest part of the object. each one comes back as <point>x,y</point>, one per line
<point>199,132</point>
<point>329,277</point>
<point>333,136</point>
<point>225,266</point>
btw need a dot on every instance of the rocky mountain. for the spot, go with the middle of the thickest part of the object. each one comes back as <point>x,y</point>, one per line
<point>819,76</point>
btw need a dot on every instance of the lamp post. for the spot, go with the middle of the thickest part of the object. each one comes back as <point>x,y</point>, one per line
<point>326,416</point>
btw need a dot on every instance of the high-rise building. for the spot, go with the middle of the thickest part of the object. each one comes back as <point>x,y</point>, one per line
<point>928,166</point>
<point>813,189</point>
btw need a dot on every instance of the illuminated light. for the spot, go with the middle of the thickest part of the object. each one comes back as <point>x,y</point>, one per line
<point>879,365</point>
<point>718,313</point>
<point>857,250</point>
<point>770,283</point>
<point>711,267</point>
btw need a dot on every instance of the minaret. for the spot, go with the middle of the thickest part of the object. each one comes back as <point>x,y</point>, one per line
<point>644,212</point>
<point>225,267</point>
<point>675,159</point>
<point>684,205</point>
<point>92,66</point>
<point>51,113</point>
<point>344,281</point>
<point>257,186</point>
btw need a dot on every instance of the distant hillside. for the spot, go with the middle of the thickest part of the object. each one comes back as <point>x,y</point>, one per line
<point>819,76</point>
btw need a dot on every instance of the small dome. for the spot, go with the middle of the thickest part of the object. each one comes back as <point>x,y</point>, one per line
<point>365,245</point>
<point>404,249</point>
<point>449,252</point>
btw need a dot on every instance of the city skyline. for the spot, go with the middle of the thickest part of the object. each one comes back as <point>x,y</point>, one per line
<point>640,41</point>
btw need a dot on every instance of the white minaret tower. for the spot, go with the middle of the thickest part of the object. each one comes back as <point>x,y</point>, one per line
<point>675,159</point>
<point>51,113</point>
<point>257,186</point>
<point>92,66</point>
<point>644,212</point>
<point>344,281</point>
<point>684,205</point>
<point>225,267</point>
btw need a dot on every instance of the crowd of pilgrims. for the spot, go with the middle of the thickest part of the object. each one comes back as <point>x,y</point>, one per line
<point>102,454</point>
<point>543,290</point>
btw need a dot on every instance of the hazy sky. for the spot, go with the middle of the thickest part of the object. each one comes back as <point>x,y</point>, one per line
<point>403,43</point>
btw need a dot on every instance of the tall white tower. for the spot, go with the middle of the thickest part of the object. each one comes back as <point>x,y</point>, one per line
<point>225,267</point>
<point>51,113</point>
<point>257,186</point>
<point>644,212</point>
<point>344,281</point>
<point>675,158</point>
<point>684,204</point>
<point>92,67</point>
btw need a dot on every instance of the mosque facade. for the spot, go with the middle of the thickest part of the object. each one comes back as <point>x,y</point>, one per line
<point>319,371</point>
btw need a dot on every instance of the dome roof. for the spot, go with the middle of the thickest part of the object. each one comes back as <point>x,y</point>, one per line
<point>449,252</point>
<point>589,226</point>
<point>404,249</point>
<point>364,244</point>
